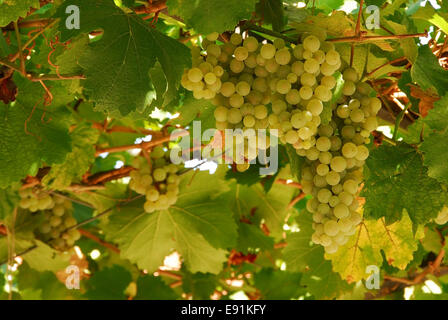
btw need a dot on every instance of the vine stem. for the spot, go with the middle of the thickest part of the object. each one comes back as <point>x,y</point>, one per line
<point>377,38</point>
<point>398,121</point>
<point>143,145</point>
<point>19,44</point>
<point>251,26</point>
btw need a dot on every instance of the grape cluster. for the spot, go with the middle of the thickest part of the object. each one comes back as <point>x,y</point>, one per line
<point>157,180</point>
<point>243,78</point>
<point>333,172</point>
<point>56,221</point>
<point>35,200</point>
<point>442,217</point>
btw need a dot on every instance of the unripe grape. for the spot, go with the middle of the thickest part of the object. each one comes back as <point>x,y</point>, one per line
<point>267,51</point>
<point>195,75</point>
<point>234,116</point>
<point>261,111</point>
<point>362,153</point>
<point>328,81</point>
<point>291,136</point>
<point>251,44</point>
<point>375,105</point>
<point>332,178</point>
<point>236,100</point>
<point>357,115</point>
<point>283,56</point>
<point>236,66</point>
<point>298,68</point>
<point>221,114</point>
<point>279,43</point>
<point>332,57</point>
<point>210,78</point>
<point>315,106</point>
<point>293,97</point>
<point>331,228</point>
<point>311,43</point>
<point>311,66</point>
<point>298,51</point>
<point>324,195</point>
<point>306,93</point>
<point>349,88</point>
<point>249,121</point>
<point>159,174</point>
<point>236,39</point>
<point>350,74</point>
<point>227,89</point>
<point>349,150</point>
<point>338,164</point>
<point>323,93</point>
<point>308,79</point>
<point>243,88</point>
<point>283,86</point>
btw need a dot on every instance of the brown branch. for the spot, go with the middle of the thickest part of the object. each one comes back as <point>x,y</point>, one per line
<point>143,145</point>
<point>295,200</point>
<point>55,77</point>
<point>102,177</point>
<point>287,183</point>
<point>93,237</point>
<point>142,131</point>
<point>385,64</point>
<point>377,38</point>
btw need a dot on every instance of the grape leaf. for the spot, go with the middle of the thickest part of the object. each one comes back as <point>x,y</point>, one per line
<point>435,148</point>
<point>40,141</point>
<point>108,284</point>
<point>391,186</point>
<point>397,240</point>
<point>437,117</point>
<point>199,285</point>
<point>437,18</point>
<point>117,66</point>
<point>296,162</point>
<point>12,10</point>
<point>428,73</point>
<point>272,12</point>
<point>207,16</point>
<point>271,206</point>
<point>77,161</point>
<point>251,237</point>
<point>153,288</point>
<point>302,255</point>
<point>278,285</point>
<point>198,225</point>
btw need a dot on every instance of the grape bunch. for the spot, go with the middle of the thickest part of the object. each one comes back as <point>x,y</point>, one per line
<point>157,180</point>
<point>56,222</point>
<point>333,171</point>
<point>442,216</point>
<point>35,200</point>
<point>265,86</point>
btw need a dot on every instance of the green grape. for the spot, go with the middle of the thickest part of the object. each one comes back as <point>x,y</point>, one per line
<point>357,115</point>
<point>350,74</point>
<point>260,111</point>
<point>375,105</point>
<point>260,85</point>
<point>234,116</point>
<point>195,75</point>
<point>298,51</point>
<point>283,86</point>
<point>251,44</point>
<point>283,56</point>
<point>311,66</point>
<point>323,144</point>
<point>159,174</point>
<point>349,150</point>
<point>328,81</point>
<point>338,164</point>
<point>332,57</point>
<point>322,169</point>
<point>236,39</point>
<point>324,195</point>
<point>306,92</point>
<point>291,136</point>
<point>311,43</point>
<point>298,121</point>
<point>243,88</point>
<point>308,79</point>
<point>210,78</point>
<point>346,198</point>
<point>293,97</point>
<point>292,77</point>
<point>227,89</point>
<point>331,228</point>
<point>236,101</point>
<point>351,186</point>
<point>315,106</point>
<point>362,153</point>
<point>332,178</point>
<point>325,157</point>
<point>323,93</point>
<point>312,154</point>
<point>249,121</point>
<point>279,43</point>
<point>241,53</point>
<point>236,66</point>
<point>267,51</point>
<point>298,68</point>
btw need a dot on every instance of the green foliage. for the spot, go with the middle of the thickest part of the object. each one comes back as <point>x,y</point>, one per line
<point>391,186</point>
<point>114,85</point>
<point>207,16</point>
<point>126,51</point>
